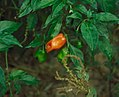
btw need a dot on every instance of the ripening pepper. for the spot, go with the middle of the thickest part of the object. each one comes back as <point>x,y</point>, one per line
<point>56,43</point>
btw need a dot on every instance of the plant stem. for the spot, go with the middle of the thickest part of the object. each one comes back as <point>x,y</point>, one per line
<point>7,70</point>
<point>6,61</point>
<point>11,94</point>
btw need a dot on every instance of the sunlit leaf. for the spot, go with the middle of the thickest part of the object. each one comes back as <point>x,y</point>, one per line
<point>75,15</point>
<point>58,8</point>
<point>25,8</point>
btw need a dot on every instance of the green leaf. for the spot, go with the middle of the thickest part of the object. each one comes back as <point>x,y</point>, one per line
<point>108,5</point>
<point>36,42</point>
<point>9,40</point>
<point>25,8</point>
<point>106,48</point>
<point>42,4</point>
<point>32,20</point>
<point>4,47</point>
<point>57,28</point>
<point>16,74</point>
<point>20,78</point>
<point>58,8</point>
<point>102,29</point>
<point>48,21</point>
<point>51,20</point>
<point>75,15</point>
<point>90,34</point>
<point>89,13</point>
<point>29,80</point>
<point>92,3</point>
<point>81,8</point>
<point>3,87</point>
<point>92,92</point>
<point>17,87</point>
<point>77,52</point>
<point>9,26</point>
<point>106,17</point>
<point>35,4</point>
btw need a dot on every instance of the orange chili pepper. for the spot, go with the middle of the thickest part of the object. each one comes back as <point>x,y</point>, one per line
<point>56,43</point>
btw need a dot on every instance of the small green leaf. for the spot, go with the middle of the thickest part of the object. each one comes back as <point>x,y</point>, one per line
<point>102,29</point>
<point>51,20</point>
<point>48,20</point>
<point>90,34</point>
<point>57,28</point>
<point>106,17</point>
<point>36,42</point>
<point>108,5</point>
<point>4,47</point>
<point>77,52</point>
<point>17,87</point>
<point>35,4</point>
<point>29,80</point>
<point>9,26</point>
<point>32,20</point>
<point>16,74</point>
<point>42,4</point>
<point>3,87</point>
<point>92,92</point>
<point>81,8</point>
<point>75,15</point>
<point>58,8</point>
<point>20,78</point>
<point>89,13</point>
<point>9,40</point>
<point>106,48</point>
<point>25,8</point>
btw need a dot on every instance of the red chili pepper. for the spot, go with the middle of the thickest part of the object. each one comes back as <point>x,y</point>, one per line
<point>56,43</point>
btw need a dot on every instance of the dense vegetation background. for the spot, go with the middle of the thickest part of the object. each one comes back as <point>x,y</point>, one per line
<point>91,28</point>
